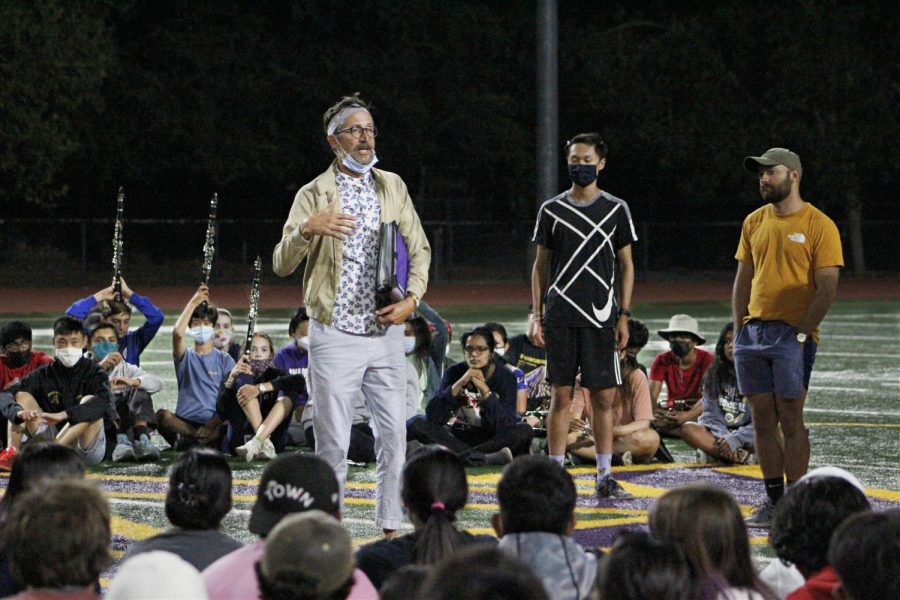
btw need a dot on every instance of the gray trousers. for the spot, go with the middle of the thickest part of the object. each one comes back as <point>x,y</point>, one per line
<point>342,365</point>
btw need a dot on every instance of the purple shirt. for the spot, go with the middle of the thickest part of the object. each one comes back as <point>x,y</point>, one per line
<point>293,360</point>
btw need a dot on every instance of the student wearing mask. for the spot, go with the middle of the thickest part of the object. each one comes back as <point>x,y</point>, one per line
<point>200,371</point>
<point>17,359</point>
<point>256,403</point>
<point>501,348</point>
<point>422,378</point>
<point>293,359</point>
<point>131,343</point>
<point>132,389</point>
<point>681,369</point>
<point>68,400</point>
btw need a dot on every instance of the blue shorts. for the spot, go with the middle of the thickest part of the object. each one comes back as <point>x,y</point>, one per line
<point>768,358</point>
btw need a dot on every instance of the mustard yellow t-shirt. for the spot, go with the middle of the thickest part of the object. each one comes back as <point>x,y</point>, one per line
<point>785,251</point>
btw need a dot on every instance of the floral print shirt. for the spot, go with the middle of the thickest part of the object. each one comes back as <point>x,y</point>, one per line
<point>354,306</point>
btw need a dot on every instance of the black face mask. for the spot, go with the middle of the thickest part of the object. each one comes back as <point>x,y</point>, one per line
<point>583,175</point>
<point>18,359</point>
<point>680,349</point>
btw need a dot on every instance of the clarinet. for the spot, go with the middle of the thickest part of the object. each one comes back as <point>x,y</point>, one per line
<point>118,246</point>
<point>209,246</point>
<point>254,305</point>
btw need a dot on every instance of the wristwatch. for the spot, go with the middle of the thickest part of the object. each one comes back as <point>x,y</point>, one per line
<point>801,337</point>
<point>625,311</point>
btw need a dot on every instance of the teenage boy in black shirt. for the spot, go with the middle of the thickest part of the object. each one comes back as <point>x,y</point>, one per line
<point>68,400</point>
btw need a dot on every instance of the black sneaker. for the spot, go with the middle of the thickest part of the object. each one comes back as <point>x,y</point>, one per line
<point>607,487</point>
<point>761,516</point>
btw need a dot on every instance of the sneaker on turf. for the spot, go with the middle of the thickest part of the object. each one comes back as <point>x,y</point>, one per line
<point>267,452</point>
<point>761,516</point>
<point>7,458</point>
<point>145,451</point>
<point>627,458</point>
<point>702,458</point>
<point>249,450</point>
<point>607,487</point>
<point>124,450</point>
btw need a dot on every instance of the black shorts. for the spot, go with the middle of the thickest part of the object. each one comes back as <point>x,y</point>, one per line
<point>587,350</point>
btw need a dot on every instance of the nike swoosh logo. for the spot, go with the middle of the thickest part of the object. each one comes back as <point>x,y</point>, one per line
<point>603,315</point>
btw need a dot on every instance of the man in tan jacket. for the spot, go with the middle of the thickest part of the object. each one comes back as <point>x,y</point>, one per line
<point>355,347</point>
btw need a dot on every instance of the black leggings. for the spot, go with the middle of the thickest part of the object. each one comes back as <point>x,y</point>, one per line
<point>465,440</point>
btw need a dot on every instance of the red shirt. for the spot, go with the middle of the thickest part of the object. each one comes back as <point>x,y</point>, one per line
<point>9,374</point>
<point>818,587</point>
<point>681,384</point>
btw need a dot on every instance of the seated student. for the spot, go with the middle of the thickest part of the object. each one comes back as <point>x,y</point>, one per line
<point>36,463</point>
<point>422,378</point>
<point>17,360</point>
<point>705,521</point>
<point>483,572</point>
<point>293,359</point>
<point>474,413</point>
<point>501,345</point>
<point>865,553</point>
<point>362,438</point>
<point>634,441</point>
<point>200,371</point>
<point>638,336</point>
<point>223,338</point>
<point>198,499</point>
<point>724,430</point>
<point>433,490</point>
<point>535,524</point>
<point>804,521</point>
<point>682,369</point>
<point>639,567</point>
<point>67,401</point>
<point>441,332</point>
<point>63,556</point>
<point>132,390</point>
<point>131,343</point>
<point>522,352</point>
<point>308,555</point>
<point>256,403</point>
<point>292,483</point>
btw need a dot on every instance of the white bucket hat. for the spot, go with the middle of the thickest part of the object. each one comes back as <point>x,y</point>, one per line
<point>682,324</point>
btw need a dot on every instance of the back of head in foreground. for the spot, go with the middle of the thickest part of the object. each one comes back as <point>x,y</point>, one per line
<point>865,552</point>
<point>705,521</point>
<point>806,517</point>
<point>536,494</point>
<point>434,488</point>
<point>308,556</point>
<point>482,572</point>
<point>58,535</point>
<point>293,483</point>
<point>641,568</point>
<point>37,462</point>
<point>199,493</point>
<point>156,575</point>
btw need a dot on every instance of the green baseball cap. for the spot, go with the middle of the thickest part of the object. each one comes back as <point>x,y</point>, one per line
<point>772,157</point>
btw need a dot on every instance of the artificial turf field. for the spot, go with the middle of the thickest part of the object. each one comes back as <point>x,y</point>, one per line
<point>852,414</point>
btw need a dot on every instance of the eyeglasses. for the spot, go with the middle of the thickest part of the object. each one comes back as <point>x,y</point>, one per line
<point>476,349</point>
<point>357,131</point>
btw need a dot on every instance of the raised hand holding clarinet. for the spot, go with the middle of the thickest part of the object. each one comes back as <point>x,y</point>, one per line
<point>209,245</point>
<point>118,246</point>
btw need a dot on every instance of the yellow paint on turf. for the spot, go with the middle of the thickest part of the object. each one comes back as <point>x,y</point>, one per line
<point>131,530</point>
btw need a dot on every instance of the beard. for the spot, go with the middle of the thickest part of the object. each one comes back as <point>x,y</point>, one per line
<point>775,193</point>
<point>363,159</point>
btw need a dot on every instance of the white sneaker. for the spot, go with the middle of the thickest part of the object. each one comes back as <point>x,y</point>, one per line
<point>627,458</point>
<point>268,450</point>
<point>249,450</point>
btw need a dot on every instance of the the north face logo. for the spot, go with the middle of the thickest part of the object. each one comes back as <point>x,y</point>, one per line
<point>797,237</point>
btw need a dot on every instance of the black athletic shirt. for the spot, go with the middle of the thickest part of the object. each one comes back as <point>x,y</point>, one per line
<point>583,241</point>
<point>524,355</point>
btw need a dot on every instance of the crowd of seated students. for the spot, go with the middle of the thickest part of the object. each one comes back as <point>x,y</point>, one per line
<point>696,546</point>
